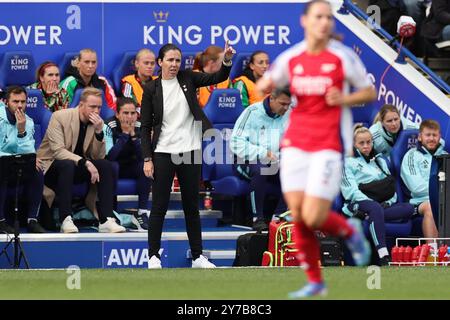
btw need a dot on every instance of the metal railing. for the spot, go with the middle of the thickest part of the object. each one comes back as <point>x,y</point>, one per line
<point>348,6</point>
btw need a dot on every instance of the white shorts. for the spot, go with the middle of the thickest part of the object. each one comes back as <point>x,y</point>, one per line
<point>315,173</point>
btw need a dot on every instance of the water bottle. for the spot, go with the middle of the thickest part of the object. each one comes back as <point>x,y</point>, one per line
<point>424,252</point>
<point>415,254</point>
<point>394,254</point>
<point>401,253</point>
<point>407,254</point>
<point>442,253</point>
<point>207,201</point>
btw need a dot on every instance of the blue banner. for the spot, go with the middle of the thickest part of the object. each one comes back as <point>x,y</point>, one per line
<point>130,254</point>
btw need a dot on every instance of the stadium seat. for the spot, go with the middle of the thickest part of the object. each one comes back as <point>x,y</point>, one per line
<point>18,68</point>
<point>187,60</point>
<point>65,62</point>
<point>364,115</point>
<point>37,111</point>
<point>406,140</point>
<point>240,61</point>
<point>105,112</point>
<point>223,108</point>
<point>125,67</point>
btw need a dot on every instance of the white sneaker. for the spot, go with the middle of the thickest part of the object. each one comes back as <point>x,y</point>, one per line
<point>68,226</point>
<point>202,262</point>
<point>154,263</point>
<point>110,226</point>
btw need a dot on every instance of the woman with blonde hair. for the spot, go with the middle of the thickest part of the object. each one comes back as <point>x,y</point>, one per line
<point>368,188</point>
<point>133,84</point>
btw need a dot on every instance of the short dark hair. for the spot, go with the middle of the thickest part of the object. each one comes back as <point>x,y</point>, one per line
<point>165,48</point>
<point>14,90</point>
<point>121,101</point>
<point>279,91</point>
<point>429,124</point>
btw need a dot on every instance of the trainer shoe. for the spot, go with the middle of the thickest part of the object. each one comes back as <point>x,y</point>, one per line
<point>202,262</point>
<point>5,227</point>
<point>140,220</point>
<point>154,263</point>
<point>384,261</point>
<point>34,227</point>
<point>358,244</point>
<point>110,226</point>
<point>68,226</point>
<point>309,290</point>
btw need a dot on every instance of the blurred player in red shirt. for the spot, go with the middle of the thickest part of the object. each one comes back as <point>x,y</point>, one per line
<point>320,72</point>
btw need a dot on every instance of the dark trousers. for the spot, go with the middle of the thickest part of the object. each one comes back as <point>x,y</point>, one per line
<point>377,215</point>
<point>189,179</point>
<point>135,171</point>
<point>262,186</point>
<point>63,174</point>
<point>33,186</point>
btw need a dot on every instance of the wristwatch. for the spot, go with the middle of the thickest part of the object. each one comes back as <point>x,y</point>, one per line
<point>21,134</point>
<point>147,159</point>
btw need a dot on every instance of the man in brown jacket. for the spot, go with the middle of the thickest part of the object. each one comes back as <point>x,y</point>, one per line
<point>73,151</point>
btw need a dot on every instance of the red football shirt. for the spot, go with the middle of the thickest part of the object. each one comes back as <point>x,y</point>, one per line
<point>313,124</point>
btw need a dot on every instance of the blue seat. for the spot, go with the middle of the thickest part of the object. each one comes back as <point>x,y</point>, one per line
<point>187,60</point>
<point>240,61</point>
<point>223,108</point>
<point>125,67</point>
<point>17,68</point>
<point>364,115</point>
<point>105,112</point>
<point>37,111</point>
<point>406,140</point>
<point>66,61</point>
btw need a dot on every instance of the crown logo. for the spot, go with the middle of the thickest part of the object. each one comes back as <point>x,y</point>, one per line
<point>161,16</point>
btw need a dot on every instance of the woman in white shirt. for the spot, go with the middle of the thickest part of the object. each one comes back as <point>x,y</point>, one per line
<point>172,126</point>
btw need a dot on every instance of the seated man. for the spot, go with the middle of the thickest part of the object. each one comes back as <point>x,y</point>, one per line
<point>16,137</point>
<point>123,146</point>
<point>415,172</point>
<point>73,151</point>
<point>255,141</point>
<point>82,74</point>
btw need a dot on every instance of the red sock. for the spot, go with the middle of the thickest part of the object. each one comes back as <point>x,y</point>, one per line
<point>336,225</point>
<point>309,251</point>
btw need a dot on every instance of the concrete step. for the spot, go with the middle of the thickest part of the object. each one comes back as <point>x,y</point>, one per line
<point>124,250</point>
<point>175,218</point>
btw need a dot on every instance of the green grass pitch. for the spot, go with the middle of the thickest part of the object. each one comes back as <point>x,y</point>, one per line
<point>223,283</point>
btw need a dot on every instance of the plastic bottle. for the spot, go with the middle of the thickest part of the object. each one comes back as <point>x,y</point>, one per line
<point>442,253</point>
<point>415,254</point>
<point>424,252</point>
<point>207,201</point>
<point>407,254</point>
<point>401,253</point>
<point>394,254</point>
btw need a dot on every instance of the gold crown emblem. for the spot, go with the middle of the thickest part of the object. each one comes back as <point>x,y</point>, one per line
<point>161,16</point>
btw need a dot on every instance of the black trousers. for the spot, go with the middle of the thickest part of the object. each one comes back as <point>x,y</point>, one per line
<point>33,185</point>
<point>189,178</point>
<point>63,174</point>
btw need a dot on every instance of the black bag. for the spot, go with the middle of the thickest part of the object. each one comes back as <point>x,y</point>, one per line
<point>331,251</point>
<point>250,248</point>
<point>379,190</point>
